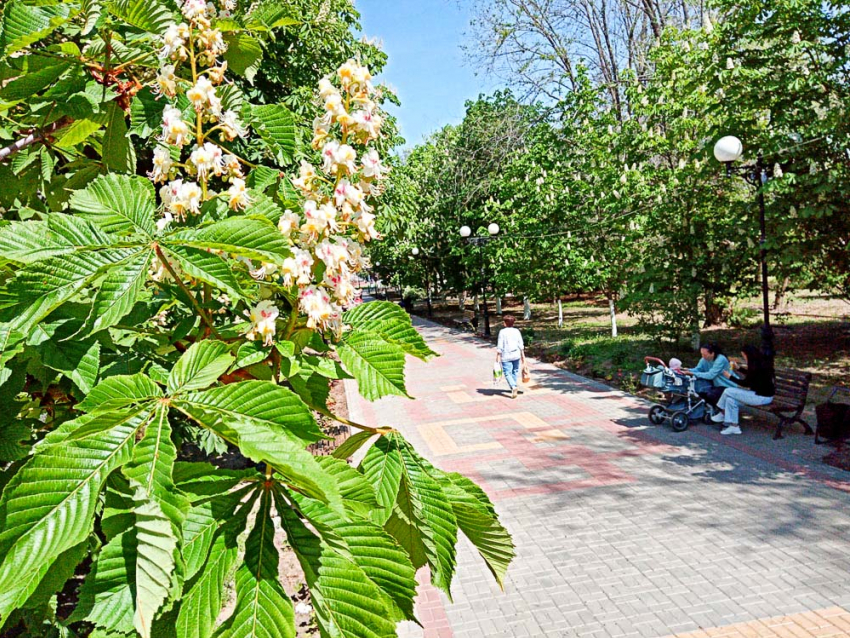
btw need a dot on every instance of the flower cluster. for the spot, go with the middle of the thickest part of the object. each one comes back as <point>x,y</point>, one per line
<point>336,217</point>
<point>198,42</point>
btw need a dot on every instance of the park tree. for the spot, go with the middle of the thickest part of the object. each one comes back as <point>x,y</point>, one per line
<point>161,277</point>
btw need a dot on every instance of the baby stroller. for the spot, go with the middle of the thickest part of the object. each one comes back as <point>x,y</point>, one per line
<point>684,406</point>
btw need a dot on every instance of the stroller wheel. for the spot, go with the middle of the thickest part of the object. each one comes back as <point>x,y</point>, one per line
<point>657,415</point>
<point>679,421</point>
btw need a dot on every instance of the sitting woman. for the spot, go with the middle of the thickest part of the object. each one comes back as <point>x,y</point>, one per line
<point>759,386</point>
<point>711,370</point>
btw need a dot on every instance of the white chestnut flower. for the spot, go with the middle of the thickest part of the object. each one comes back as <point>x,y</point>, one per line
<point>207,159</point>
<point>263,317</point>
<point>238,197</point>
<point>162,164</point>
<point>174,129</point>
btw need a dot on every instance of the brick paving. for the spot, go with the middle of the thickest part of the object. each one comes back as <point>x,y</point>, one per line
<point>622,528</point>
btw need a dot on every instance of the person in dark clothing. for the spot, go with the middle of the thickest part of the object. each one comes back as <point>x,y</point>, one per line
<point>757,388</point>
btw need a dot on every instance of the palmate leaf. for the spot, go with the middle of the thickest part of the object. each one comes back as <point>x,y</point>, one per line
<point>79,360</point>
<point>40,288</point>
<point>199,481</point>
<point>251,238</point>
<point>106,597</point>
<point>383,467</point>
<point>313,388</point>
<point>261,177</point>
<point>77,133</point>
<point>353,486</point>
<point>208,268</point>
<point>264,441</point>
<point>352,444</point>
<point>57,575</point>
<point>202,522</point>
<point>149,15</point>
<point>91,11</point>
<point>118,392</point>
<point>15,437</point>
<point>119,291</point>
<point>24,23</point>
<point>478,521</point>
<point>263,206</point>
<point>424,507</point>
<point>263,610</point>
<point>35,79</point>
<point>392,323</point>
<point>11,344</point>
<point>156,545</point>
<point>276,126</point>
<point>49,506</point>
<point>348,604</point>
<point>117,151</point>
<point>384,562</point>
<point>200,366</point>
<point>377,364</point>
<point>145,113</point>
<point>118,203</point>
<point>369,547</point>
<point>243,54</point>
<point>151,467</point>
<point>203,598</point>
<point>260,404</point>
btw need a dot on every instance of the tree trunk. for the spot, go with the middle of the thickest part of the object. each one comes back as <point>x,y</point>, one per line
<point>475,304</point>
<point>461,301</point>
<point>498,306</point>
<point>526,309</point>
<point>560,314</point>
<point>612,307</point>
<point>781,292</point>
<point>713,312</point>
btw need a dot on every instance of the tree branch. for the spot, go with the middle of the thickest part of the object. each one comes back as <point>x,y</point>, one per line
<point>34,138</point>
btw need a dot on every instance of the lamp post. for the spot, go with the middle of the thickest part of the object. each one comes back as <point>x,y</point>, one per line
<point>426,258</point>
<point>728,150</point>
<point>466,233</point>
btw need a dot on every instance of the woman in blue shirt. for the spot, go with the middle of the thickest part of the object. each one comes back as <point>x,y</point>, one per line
<point>711,369</point>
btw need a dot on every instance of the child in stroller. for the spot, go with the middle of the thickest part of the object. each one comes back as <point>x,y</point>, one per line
<point>683,405</point>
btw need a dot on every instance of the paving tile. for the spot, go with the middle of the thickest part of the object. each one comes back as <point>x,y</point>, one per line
<point>623,529</point>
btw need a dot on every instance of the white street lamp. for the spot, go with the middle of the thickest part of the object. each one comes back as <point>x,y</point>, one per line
<point>728,149</point>
<point>493,229</point>
<point>465,231</point>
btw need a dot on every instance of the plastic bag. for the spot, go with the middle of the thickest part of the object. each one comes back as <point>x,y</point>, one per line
<point>526,374</point>
<point>497,373</point>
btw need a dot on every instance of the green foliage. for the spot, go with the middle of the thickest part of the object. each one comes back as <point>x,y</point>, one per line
<point>614,188</point>
<point>123,334</point>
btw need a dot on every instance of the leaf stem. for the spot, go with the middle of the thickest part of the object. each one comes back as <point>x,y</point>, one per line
<point>204,316</point>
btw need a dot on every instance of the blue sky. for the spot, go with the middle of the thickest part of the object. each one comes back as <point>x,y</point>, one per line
<point>426,65</point>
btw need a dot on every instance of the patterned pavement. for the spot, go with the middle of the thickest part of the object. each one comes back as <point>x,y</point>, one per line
<point>622,528</point>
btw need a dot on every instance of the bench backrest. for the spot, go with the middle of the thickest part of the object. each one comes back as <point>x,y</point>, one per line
<point>792,384</point>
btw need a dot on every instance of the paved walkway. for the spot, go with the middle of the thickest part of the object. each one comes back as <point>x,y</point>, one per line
<point>623,529</point>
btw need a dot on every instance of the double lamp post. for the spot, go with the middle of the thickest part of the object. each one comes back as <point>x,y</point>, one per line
<point>480,241</point>
<point>728,150</point>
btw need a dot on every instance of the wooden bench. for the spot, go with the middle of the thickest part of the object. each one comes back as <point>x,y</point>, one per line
<point>792,388</point>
